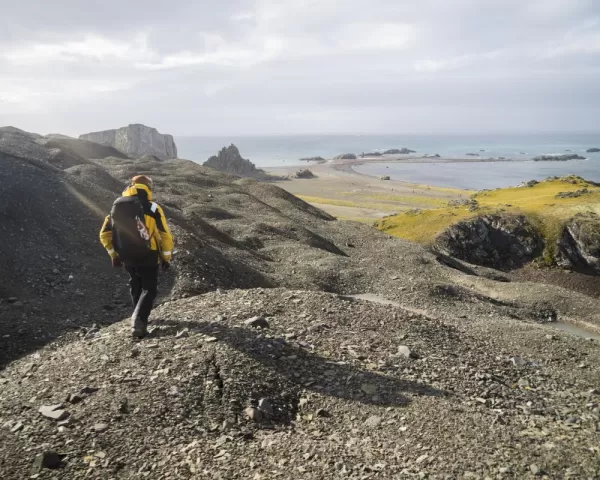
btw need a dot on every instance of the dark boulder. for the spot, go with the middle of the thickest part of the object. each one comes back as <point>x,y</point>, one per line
<point>593,150</point>
<point>304,173</point>
<point>578,246</point>
<point>498,241</point>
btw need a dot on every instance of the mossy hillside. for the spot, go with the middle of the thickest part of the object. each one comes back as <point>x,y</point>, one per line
<point>539,203</point>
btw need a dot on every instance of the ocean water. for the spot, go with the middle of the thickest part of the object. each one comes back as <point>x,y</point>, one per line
<point>483,175</point>
<point>273,151</point>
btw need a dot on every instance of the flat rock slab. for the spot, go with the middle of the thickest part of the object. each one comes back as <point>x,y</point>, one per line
<point>54,412</point>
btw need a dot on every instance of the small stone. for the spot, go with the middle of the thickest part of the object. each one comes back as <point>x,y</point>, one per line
<point>210,339</point>
<point>222,440</point>
<point>253,414</point>
<point>504,470</point>
<point>264,405</point>
<point>257,322</point>
<point>523,383</point>
<point>535,469</point>
<point>174,391</point>
<point>422,458</point>
<point>53,412</point>
<point>369,388</point>
<point>88,390</point>
<point>16,427</point>
<point>72,398</point>
<point>123,406</point>
<point>518,361</point>
<point>183,333</point>
<point>550,337</point>
<point>227,425</point>
<point>373,421</point>
<point>404,351</point>
<point>100,427</point>
<point>321,412</point>
<point>46,460</point>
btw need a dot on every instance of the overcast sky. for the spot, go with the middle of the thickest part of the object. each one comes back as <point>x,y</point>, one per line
<point>197,67</point>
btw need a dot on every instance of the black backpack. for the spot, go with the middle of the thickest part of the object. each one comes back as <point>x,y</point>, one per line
<point>131,239</point>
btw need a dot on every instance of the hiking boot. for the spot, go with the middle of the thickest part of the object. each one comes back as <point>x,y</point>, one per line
<point>138,328</point>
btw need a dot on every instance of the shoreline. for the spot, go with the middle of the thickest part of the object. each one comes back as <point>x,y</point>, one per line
<point>344,193</point>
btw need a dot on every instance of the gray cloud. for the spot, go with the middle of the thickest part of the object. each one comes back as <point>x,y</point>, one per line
<point>301,66</point>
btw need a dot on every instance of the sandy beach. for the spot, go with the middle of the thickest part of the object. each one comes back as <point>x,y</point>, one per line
<point>349,195</point>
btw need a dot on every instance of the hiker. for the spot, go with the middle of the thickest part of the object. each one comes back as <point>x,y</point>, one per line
<point>136,235</point>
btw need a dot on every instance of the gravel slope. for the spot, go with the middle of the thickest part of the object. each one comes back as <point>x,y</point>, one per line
<point>342,399</point>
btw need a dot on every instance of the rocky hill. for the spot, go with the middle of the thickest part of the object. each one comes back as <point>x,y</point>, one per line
<point>136,140</point>
<point>261,363</point>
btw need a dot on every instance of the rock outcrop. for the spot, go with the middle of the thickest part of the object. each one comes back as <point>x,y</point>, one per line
<point>499,241</point>
<point>578,246</point>
<point>136,140</point>
<point>305,173</point>
<point>345,156</point>
<point>558,158</point>
<point>593,150</point>
<point>229,160</point>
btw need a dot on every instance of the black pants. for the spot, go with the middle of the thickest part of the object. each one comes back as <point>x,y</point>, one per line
<point>143,283</point>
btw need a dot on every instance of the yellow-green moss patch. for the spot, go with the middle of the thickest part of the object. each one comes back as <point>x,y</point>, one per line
<point>539,203</point>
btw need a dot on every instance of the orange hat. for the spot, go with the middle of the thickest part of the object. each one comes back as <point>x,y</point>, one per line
<point>144,180</point>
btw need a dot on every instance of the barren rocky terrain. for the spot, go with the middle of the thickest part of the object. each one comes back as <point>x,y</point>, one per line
<point>261,364</point>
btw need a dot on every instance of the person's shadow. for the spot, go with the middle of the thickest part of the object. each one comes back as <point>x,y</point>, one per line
<point>293,365</point>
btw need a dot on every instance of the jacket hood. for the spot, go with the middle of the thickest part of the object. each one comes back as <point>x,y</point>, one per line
<point>138,190</point>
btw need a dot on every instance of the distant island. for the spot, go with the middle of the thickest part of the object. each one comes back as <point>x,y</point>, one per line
<point>558,158</point>
<point>345,156</point>
<point>593,150</point>
<point>399,151</point>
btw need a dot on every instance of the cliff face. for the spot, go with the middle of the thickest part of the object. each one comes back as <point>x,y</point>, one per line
<point>136,140</point>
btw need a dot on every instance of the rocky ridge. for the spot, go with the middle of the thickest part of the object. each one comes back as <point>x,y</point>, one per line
<point>136,140</point>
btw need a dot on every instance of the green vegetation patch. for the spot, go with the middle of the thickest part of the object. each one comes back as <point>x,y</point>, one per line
<point>538,202</point>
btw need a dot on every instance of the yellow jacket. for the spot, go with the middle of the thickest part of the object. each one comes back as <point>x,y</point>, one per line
<point>155,220</point>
